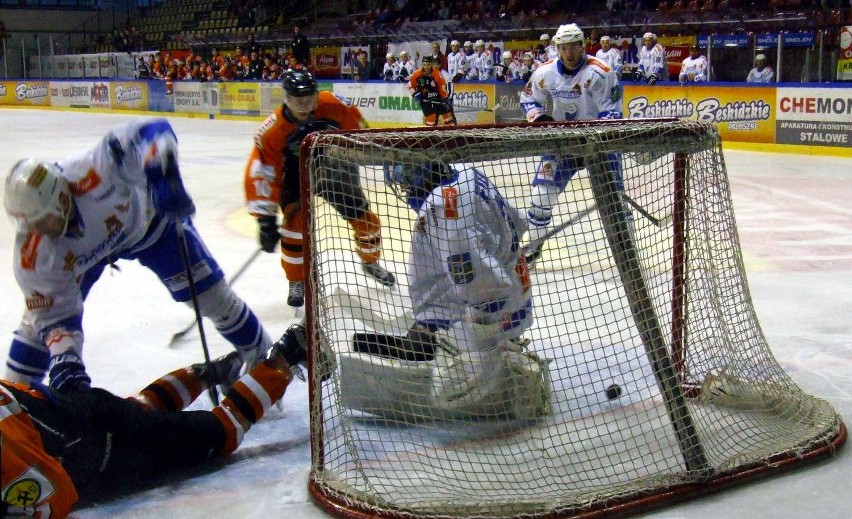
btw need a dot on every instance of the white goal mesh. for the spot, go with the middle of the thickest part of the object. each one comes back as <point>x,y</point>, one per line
<point>645,291</point>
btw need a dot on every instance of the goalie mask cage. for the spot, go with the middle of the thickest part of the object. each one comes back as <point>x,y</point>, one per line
<point>659,305</point>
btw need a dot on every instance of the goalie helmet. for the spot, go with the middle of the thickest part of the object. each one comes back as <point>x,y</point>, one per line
<point>34,190</point>
<point>568,33</point>
<point>299,83</point>
<point>416,181</point>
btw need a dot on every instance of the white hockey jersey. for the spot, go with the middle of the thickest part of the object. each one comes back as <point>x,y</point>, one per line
<point>591,91</point>
<point>457,65</point>
<point>760,76</point>
<point>114,211</point>
<point>481,66</point>
<point>653,61</point>
<point>390,72</point>
<point>612,58</point>
<point>406,68</point>
<point>466,260</point>
<point>693,69</point>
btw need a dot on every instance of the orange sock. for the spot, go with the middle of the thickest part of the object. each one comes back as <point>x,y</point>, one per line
<point>173,392</point>
<point>292,244</point>
<point>367,233</point>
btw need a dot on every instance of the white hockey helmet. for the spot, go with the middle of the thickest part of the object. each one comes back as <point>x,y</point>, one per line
<point>468,44</point>
<point>527,56</point>
<point>34,190</point>
<point>455,42</point>
<point>403,53</point>
<point>760,57</point>
<point>606,39</point>
<point>568,33</point>
<point>507,54</point>
<point>649,36</point>
<point>389,55</point>
<point>479,43</point>
<point>544,37</point>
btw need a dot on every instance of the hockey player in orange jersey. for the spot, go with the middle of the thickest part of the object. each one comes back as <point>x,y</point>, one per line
<point>429,88</point>
<point>272,180</point>
<point>88,444</point>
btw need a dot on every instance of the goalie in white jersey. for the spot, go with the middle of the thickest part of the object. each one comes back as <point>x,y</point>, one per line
<point>122,199</point>
<point>471,299</point>
<point>579,87</point>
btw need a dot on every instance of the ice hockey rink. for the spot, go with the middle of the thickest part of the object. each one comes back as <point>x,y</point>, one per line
<point>795,227</point>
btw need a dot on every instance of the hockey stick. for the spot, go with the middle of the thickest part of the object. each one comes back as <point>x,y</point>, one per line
<point>184,254</point>
<point>236,275</point>
<point>355,307</point>
<point>644,212</point>
<point>532,254</point>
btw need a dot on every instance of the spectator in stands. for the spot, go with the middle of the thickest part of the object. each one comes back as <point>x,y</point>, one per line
<point>160,69</point>
<point>760,73</point>
<point>142,69</point>
<point>694,68</point>
<point>361,68</point>
<point>252,46</point>
<point>438,56</point>
<point>254,72</point>
<point>228,71</point>
<point>594,44</point>
<point>216,59</point>
<point>271,69</point>
<point>301,47</point>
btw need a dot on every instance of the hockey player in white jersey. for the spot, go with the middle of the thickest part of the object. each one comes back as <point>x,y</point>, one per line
<point>546,49</point>
<point>694,68</point>
<point>456,62</point>
<point>652,61</point>
<point>760,73</point>
<point>406,67</point>
<point>528,66</point>
<point>122,199</point>
<point>481,64</point>
<point>390,71</point>
<point>610,55</point>
<point>579,87</point>
<point>508,69</point>
<point>471,299</point>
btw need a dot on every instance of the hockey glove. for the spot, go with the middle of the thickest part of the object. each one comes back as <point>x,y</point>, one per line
<point>653,78</point>
<point>67,373</point>
<point>269,235</point>
<point>169,196</point>
<point>418,96</point>
<point>543,118</point>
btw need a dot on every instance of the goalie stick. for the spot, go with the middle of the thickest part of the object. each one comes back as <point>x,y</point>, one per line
<point>533,254</point>
<point>180,334</point>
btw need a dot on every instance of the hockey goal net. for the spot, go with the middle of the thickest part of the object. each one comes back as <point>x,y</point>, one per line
<point>660,383</point>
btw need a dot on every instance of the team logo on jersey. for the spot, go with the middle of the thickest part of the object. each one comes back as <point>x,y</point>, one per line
<point>576,91</point>
<point>86,184</point>
<point>541,83</point>
<point>461,269</point>
<point>29,251</point>
<point>113,225</point>
<point>451,202</point>
<point>24,492</point>
<point>38,300</point>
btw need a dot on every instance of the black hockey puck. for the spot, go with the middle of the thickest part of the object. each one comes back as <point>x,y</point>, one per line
<point>613,391</point>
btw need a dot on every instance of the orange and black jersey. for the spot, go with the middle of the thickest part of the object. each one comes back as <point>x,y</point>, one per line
<point>431,85</point>
<point>34,483</point>
<point>272,173</point>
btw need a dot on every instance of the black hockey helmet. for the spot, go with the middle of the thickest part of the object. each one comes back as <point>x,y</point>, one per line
<point>427,59</point>
<point>299,83</point>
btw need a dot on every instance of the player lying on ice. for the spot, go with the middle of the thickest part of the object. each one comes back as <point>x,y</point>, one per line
<point>88,444</point>
<point>464,356</point>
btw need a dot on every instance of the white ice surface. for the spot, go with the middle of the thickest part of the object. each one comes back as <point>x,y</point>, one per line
<point>794,220</point>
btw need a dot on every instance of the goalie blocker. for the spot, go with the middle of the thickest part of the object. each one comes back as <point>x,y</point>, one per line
<point>430,374</point>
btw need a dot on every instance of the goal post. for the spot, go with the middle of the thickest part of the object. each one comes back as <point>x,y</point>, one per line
<point>659,382</point>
